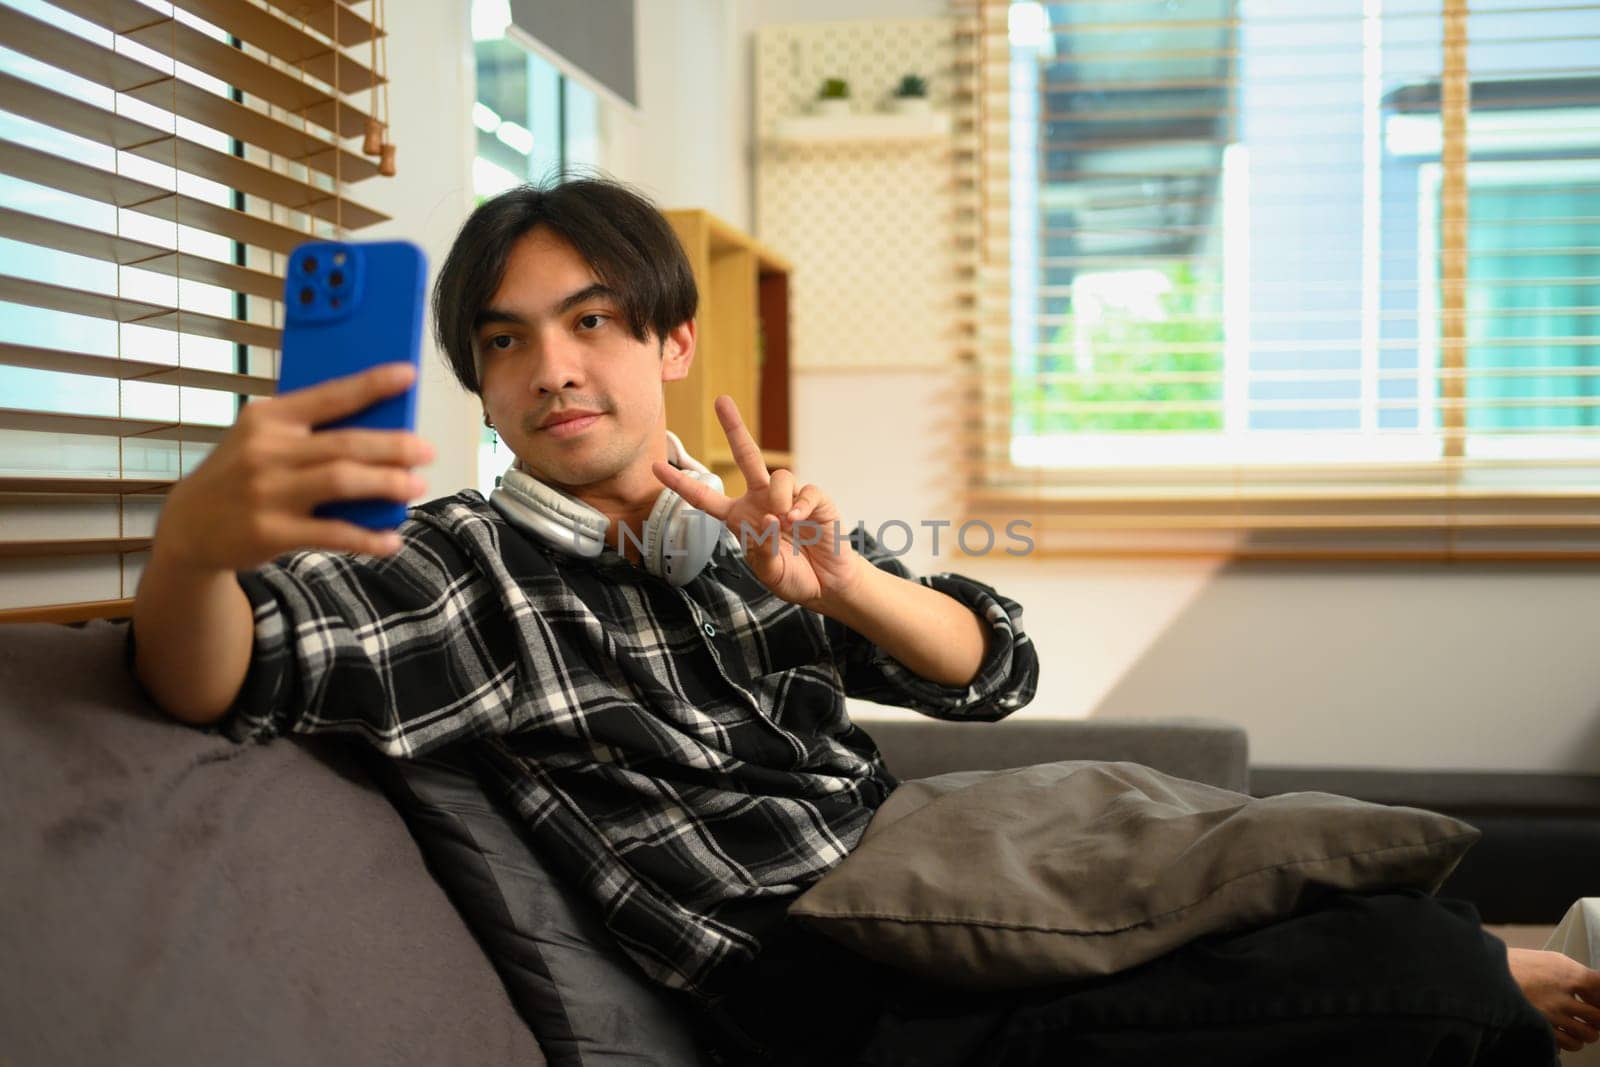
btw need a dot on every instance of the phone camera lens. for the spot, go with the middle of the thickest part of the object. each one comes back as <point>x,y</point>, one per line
<point>307,295</point>
<point>309,264</point>
<point>336,278</point>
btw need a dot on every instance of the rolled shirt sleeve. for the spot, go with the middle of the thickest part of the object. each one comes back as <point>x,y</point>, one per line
<point>1006,679</point>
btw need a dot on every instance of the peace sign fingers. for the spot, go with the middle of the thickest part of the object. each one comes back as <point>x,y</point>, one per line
<point>697,493</point>
<point>746,453</point>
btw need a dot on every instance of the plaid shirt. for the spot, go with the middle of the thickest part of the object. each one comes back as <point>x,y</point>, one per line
<point>682,754</point>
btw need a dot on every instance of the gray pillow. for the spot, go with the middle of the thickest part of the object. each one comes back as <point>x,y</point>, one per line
<point>998,879</point>
<point>590,1005</point>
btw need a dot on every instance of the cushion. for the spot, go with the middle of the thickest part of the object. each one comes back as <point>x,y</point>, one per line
<point>170,897</point>
<point>1066,870</point>
<point>590,1005</point>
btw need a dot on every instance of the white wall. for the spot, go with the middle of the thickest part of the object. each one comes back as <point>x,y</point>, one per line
<point>681,146</point>
<point>430,56</point>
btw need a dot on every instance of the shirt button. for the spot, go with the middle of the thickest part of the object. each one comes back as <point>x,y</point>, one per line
<point>710,631</point>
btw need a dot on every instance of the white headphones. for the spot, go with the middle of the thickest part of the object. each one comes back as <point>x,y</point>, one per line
<point>678,538</point>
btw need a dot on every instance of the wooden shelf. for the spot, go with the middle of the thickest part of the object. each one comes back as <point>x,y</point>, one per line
<point>877,129</point>
<point>743,344</point>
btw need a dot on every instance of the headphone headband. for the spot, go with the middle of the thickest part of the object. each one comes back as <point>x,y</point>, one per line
<point>678,538</point>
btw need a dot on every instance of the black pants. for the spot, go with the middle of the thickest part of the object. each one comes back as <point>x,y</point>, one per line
<point>1362,981</point>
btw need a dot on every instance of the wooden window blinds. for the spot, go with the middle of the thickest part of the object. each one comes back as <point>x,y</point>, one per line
<point>1316,278</point>
<point>159,161</point>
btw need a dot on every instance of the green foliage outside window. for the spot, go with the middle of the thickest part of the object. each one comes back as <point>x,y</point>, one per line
<point>1123,344</point>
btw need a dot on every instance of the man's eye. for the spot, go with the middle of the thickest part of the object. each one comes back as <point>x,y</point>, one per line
<point>501,341</point>
<point>592,321</point>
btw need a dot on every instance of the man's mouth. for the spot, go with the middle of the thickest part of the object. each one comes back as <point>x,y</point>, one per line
<point>567,423</point>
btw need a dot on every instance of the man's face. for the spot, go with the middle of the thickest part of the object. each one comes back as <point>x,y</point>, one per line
<point>552,342</point>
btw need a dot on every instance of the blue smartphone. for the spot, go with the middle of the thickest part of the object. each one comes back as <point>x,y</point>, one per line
<point>350,305</point>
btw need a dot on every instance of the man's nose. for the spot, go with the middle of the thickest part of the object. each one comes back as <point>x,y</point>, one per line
<point>559,366</point>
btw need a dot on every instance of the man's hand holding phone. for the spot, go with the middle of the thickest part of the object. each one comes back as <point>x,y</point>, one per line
<point>250,501</point>
<point>277,483</point>
<point>252,498</point>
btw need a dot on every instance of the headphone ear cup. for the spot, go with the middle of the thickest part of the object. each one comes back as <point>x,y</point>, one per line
<point>678,537</point>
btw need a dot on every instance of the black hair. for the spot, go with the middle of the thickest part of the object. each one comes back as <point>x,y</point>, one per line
<point>628,244</point>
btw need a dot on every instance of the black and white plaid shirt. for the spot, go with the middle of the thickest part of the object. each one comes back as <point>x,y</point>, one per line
<point>682,754</point>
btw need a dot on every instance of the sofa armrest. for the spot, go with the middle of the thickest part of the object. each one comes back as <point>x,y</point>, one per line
<point>1202,750</point>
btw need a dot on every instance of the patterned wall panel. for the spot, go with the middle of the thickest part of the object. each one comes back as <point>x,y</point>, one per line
<point>867,220</point>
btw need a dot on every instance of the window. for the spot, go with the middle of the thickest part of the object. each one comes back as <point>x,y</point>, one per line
<point>47,325</point>
<point>146,206</point>
<point>1267,279</point>
<point>534,123</point>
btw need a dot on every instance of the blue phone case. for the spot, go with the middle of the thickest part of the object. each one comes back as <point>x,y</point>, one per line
<point>349,306</point>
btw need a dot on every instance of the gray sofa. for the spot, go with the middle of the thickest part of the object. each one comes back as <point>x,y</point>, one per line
<point>1531,821</point>
<point>168,897</point>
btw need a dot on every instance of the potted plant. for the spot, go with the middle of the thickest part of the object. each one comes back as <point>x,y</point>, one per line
<point>910,96</point>
<point>833,98</point>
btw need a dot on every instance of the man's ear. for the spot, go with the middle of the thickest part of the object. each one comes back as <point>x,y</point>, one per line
<point>677,351</point>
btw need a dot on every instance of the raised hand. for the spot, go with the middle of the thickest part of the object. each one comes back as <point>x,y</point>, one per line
<point>251,499</point>
<point>791,535</point>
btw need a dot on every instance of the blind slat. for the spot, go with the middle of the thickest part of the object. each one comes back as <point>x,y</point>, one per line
<point>1233,520</point>
<point>334,19</point>
<point>52,359</point>
<point>12,485</point>
<point>121,309</point>
<point>1217,377</point>
<point>104,426</point>
<point>98,546</point>
<point>124,251</point>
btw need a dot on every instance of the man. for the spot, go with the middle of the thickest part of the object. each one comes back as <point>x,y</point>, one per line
<point>676,742</point>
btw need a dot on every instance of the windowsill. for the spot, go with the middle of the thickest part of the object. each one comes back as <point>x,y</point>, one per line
<point>1338,523</point>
